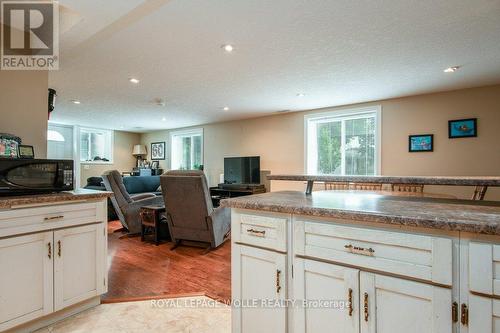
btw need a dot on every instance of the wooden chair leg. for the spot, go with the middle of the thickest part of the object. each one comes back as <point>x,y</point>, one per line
<point>208,249</point>
<point>176,245</point>
<point>157,236</point>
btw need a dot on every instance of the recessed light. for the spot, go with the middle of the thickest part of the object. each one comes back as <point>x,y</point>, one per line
<point>451,69</point>
<point>75,101</point>
<point>228,48</point>
<point>163,119</point>
<point>134,80</point>
<point>226,108</point>
<point>301,95</point>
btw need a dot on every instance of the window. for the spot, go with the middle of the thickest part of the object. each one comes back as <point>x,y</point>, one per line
<point>59,141</point>
<point>187,149</point>
<point>343,143</point>
<point>96,145</point>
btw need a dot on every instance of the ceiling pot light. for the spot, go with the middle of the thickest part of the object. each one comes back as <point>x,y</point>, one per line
<point>134,80</point>
<point>451,69</point>
<point>226,108</point>
<point>228,48</point>
<point>159,101</point>
<point>75,101</point>
<point>163,119</point>
<point>301,95</point>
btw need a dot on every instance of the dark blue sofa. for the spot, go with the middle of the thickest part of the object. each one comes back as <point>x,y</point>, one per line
<point>142,184</point>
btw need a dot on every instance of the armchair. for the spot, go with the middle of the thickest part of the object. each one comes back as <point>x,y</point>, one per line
<point>190,214</point>
<point>127,206</point>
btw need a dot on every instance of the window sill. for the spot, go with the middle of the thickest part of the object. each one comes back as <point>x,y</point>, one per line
<point>96,162</point>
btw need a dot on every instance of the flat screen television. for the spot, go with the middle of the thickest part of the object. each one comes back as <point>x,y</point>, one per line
<point>242,170</point>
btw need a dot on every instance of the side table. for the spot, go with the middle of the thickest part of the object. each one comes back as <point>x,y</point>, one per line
<point>151,217</point>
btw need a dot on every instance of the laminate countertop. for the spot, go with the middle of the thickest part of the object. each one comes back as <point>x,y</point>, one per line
<point>40,199</point>
<point>482,217</point>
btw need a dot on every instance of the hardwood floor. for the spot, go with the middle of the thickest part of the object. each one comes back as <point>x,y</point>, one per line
<point>142,270</point>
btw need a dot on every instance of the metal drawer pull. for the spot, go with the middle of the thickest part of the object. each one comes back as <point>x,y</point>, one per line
<point>366,307</point>
<point>52,218</point>
<point>49,245</point>
<point>278,286</point>
<point>454,312</point>
<point>59,248</point>
<point>349,306</point>
<point>464,318</point>
<point>260,233</point>
<point>360,250</point>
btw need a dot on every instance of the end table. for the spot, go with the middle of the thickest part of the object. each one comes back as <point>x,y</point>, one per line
<point>151,217</point>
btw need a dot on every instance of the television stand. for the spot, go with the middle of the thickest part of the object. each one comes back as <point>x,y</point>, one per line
<point>224,191</point>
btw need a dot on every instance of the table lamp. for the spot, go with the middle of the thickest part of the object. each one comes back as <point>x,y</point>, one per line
<point>139,151</point>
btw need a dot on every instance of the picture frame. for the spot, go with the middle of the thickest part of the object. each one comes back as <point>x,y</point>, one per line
<point>9,146</point>
<point>421,143</point>
<point>155,165</point>
<point>157,151</point>
<point>26,152</point>
<point>462,128</point>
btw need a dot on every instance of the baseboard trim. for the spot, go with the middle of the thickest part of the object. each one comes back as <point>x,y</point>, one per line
<point>147,298</point>
<point>56,316</point>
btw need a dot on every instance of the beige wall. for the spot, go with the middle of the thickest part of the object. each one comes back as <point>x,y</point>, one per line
<point>122,157</point>
<point>23,107</point>
<point>279,140</point>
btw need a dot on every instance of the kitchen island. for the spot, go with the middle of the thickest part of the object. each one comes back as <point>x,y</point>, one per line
<point>396,264</point>
<point>53,250</point>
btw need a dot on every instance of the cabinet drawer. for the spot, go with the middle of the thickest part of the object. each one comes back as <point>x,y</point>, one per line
<point>484,268</point>
<point>422,257</point>
<point>260,229</point>
<point>19,221</point>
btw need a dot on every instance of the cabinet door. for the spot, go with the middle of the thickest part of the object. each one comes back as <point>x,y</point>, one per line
<point>484,314</point>
<point>319,287</point>
<point>79,270</point>
<point>26,278</point>
<point>394,305</point>
<point>258,276</point>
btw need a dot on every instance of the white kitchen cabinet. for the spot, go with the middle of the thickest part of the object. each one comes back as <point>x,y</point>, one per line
<point>258,285</point>
<point>395,305</point>
<point>51,257</point>
<point>484,314</point>
<point>479,310</point>
<point>315,285</point>
<point>400,281</point>
<point>379,303</point>
<point>26,278</point>
<point>78,266</point>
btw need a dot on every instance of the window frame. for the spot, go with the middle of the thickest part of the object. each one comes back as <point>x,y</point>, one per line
<point>185,133</point>
<point>110,137</point>
<point>349,113</point>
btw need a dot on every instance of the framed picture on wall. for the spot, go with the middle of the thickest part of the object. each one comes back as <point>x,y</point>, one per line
<point>421,143</point>
<point>462,128</point>
<point>158,151</point>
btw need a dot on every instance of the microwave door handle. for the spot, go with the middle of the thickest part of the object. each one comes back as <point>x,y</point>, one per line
<point>59,179</point>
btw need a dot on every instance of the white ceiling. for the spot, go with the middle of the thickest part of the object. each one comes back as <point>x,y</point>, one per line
<point>336,52</point>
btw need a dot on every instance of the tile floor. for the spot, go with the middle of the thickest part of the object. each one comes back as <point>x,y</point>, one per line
<point>189,314</point>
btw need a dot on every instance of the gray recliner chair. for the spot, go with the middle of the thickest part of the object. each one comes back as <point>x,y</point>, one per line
<point>127,206</point>
<point>190,213</point>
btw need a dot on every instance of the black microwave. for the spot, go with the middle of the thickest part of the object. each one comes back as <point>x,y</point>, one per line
<point>35,176</point>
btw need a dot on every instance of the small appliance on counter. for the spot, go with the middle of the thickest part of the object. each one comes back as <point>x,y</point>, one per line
<point>35,176</point>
